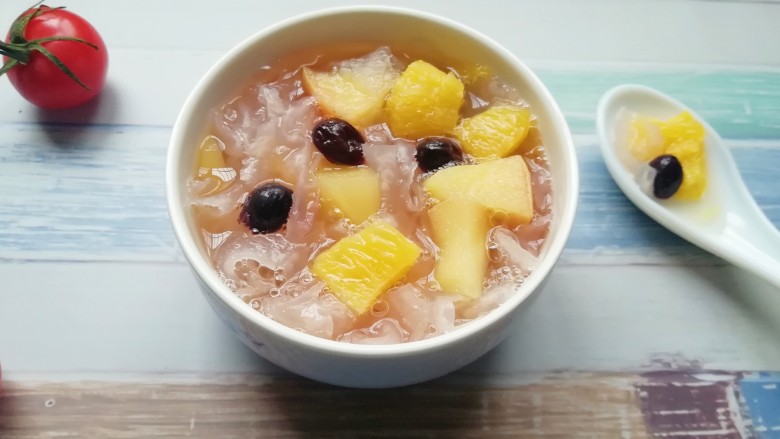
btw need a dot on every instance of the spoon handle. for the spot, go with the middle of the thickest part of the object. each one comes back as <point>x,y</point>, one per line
<point>759,257</point>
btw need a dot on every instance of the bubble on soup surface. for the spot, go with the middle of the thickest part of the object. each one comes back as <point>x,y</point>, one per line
<point>384,331</point>
<point>241,255</point>
<point>380,308</point>
<point>319,315</point>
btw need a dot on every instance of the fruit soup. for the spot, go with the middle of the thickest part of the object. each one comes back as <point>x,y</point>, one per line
<point>372,196</point>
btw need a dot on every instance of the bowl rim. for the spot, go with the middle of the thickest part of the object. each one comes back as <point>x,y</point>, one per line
<point>176,199</point>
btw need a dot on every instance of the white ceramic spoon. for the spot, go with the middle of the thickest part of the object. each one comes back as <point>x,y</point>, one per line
<point>726,221</point>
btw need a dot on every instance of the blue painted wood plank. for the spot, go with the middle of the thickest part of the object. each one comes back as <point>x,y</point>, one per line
<point>740,104</point>
<point>83,193</point>
<point>761,393</point>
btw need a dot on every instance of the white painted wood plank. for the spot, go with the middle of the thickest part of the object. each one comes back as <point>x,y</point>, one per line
<point>668,31</point>
<point>114,321</point>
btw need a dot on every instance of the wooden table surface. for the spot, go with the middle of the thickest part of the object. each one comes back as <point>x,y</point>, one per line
<point>638,334</point>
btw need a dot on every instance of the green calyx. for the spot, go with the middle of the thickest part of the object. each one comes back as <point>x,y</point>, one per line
<point>18,49</point>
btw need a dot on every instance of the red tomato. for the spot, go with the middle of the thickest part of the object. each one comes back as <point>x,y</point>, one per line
<point>40,80</point>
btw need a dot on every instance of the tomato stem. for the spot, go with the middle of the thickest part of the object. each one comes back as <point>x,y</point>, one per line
<point>8,66</point>
<point>15,52</point>
<point>79,40</point>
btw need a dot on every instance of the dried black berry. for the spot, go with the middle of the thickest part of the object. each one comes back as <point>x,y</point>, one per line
<point>339,141</point>
<point>436,152</point>
<point>267,208</point>
<point>669,176</point>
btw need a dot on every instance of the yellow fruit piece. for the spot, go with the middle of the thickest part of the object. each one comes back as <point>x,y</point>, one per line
<point>212,166</point>
<point>210,153</point>
<point>361,267</point>
<point>684,137</point>
<point>501,185</point>
<point>690,153</point>
<point>645,141</point>
<point>354,191</point>
<point>424,101</point>
<point>681,127</point>
<point>355,90</point>
<point>496,132</point>
<point>460,227</point>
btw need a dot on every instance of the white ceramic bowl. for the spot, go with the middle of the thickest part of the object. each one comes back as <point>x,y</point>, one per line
<point>349,364</point>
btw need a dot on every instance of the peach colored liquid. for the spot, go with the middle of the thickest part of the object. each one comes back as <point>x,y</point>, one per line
<point>266,130</point>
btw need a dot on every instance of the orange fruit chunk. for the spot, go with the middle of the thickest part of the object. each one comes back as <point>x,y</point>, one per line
<point>496,132</point>
<point>424,101</point>
<point>361,267</point>
<point>681,127</point>
<point>690,153</point>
